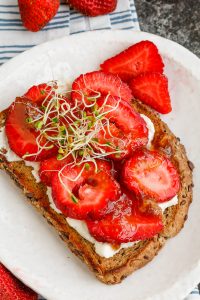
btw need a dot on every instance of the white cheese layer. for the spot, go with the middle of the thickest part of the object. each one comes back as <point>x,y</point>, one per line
<point>103,249</point>
<point>173,201</point>
<point>36,166</point>
<point>151,129</point>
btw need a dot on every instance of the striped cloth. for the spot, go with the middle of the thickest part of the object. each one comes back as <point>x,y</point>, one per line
<point>14,38</point>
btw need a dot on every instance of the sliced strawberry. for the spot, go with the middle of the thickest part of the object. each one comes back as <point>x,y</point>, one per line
<point>129,221</point>
<point>152,89</point>
<point>113,141</point>
<point>125,131</point>
<point>139,58</point>
<point>88,195</point>
<point>150,173</point>
<point>49,167</point>
<point>91,84</point>
<point>38,93</point>
<point>22,135</point>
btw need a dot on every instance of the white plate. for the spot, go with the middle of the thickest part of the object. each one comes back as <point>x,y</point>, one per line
<point>30,248</point>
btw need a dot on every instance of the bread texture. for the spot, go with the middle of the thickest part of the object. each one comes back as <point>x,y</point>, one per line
<point>115,269</point>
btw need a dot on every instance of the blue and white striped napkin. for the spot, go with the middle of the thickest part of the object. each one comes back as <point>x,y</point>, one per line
<point>14,38</point>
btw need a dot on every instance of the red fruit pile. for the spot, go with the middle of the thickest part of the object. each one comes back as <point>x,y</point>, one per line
<point>92,147</point>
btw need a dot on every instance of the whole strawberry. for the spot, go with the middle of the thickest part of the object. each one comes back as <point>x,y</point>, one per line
<point>12,289</point>
<point>94,8</point>
<point>35,14</point>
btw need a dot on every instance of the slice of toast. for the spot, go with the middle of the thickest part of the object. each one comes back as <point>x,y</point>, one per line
<point>112,270</point>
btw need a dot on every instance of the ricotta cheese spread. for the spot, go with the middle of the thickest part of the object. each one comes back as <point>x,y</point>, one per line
<point>169,203</point>
<point>151,129</point>
<point>103,249</point>
<point>36,166</point>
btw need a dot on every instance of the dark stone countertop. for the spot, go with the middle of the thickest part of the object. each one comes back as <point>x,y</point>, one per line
<point>177,20</point>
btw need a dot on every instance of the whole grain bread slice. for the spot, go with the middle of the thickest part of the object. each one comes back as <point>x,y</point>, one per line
<point>113,270</point>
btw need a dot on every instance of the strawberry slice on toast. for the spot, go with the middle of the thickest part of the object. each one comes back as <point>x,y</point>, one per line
<point>90,86</point>
<point>23,135</point>
<point>120,137</point>
<point>49,167</point>
<point>85,190</point>
<point>150,174</point>
<point>38,93</point>
<point>130,220</point>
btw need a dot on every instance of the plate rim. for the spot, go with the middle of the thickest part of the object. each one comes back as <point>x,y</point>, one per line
<point>182,289</point>
<point>191,57</point>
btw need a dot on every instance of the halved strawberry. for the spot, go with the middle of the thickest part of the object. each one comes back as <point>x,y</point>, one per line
<point>152,89</point>
<point>83,191</point>
<point>125,131</point>
<point>131,220</point>
<point>148,173</point>
<point>139,58</point>
<point>22,136</point>
<point>91,84</point>
<point>38,93</point>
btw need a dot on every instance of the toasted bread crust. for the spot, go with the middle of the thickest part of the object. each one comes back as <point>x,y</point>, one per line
<point>113,270</point>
